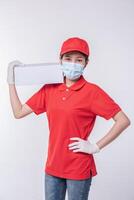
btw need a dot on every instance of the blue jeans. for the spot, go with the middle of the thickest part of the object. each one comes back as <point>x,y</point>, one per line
<point>55,188</point>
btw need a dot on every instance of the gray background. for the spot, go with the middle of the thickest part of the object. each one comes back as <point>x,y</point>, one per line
<point>32,31</point>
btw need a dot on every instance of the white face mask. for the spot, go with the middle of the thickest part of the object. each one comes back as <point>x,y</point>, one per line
<point>72,70</point>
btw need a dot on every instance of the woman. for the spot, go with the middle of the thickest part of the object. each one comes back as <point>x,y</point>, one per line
<point>71,108</point>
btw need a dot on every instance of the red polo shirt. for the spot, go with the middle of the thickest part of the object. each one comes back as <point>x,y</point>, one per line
<point>71,112</point>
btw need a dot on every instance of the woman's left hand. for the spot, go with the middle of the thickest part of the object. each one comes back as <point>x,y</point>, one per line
<point>83,146</point>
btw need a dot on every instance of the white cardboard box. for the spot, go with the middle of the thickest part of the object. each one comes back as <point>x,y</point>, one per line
<point>33,74</point>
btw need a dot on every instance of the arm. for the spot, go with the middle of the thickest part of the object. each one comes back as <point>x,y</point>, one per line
<point>103,105</point>
<point>19,110</point>
<point>121,123</point>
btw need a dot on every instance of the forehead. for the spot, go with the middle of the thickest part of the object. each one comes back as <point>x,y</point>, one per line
<point>74,53</point>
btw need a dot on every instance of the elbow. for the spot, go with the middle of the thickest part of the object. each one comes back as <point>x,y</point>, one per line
<point>122,119</point>
<point>17,116</point>
<point>128,122</point>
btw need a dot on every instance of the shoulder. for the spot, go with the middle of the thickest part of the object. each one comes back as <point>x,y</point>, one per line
<point>96,90</point>
<point>94,87</point>
<point>51,86</point>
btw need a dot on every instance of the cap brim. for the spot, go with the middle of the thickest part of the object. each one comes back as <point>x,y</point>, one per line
<point>69,50</point>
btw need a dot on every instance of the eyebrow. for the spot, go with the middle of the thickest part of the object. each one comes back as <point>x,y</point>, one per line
<point>68,55</point>
<point>80,57</point>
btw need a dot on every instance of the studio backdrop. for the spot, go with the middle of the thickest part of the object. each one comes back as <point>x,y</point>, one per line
<point>32,32</point>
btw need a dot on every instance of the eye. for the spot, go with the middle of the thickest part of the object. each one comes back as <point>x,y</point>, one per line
<point>79,60</point>
<point>68,59</point>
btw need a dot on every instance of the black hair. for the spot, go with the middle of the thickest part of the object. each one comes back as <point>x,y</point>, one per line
<point>86,57</point>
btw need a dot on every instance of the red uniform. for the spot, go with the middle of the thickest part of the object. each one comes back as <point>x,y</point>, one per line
<point>71,112</point>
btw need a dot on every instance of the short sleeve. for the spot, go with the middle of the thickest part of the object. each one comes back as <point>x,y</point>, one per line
<point>103,105</point>
<point>38,101</point>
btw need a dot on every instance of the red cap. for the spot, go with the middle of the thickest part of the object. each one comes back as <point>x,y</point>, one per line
<point>75,44</point>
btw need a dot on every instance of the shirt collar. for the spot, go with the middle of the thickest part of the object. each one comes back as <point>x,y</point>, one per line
<point>76,86</point>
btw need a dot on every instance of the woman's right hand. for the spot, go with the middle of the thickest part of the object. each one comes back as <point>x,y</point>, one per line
<point>10,71</point>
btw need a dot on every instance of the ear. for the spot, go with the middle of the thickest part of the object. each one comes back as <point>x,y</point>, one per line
<point>87,61</point>
<point>60,60</point>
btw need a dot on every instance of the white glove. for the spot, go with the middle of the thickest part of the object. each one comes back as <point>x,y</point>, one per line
<point>10,71</point>
<point>83,146</point>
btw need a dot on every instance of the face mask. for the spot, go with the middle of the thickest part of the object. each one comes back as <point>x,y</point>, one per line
<point>72,70</point>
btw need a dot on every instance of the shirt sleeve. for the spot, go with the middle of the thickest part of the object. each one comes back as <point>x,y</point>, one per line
<point>103,105</point>
<point>38,101</point>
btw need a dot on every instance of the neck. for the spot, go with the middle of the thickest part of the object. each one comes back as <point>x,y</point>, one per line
<point>69,82</point>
